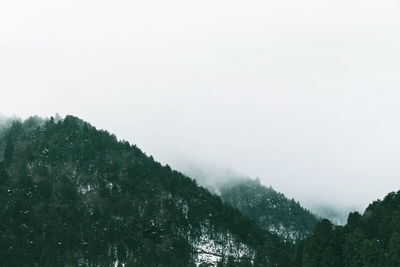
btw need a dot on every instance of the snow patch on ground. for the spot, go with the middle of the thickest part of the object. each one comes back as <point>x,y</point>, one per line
<point>83,189</point>
<point>286,232</point>
<point>212,247</point>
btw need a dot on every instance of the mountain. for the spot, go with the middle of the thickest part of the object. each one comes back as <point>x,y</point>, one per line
<point>72,195</point>
<point>270,209</point>
<point>370,239</point>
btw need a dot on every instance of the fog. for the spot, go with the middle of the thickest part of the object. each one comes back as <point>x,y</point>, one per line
<point>302,94</point>
<point>5,122</point>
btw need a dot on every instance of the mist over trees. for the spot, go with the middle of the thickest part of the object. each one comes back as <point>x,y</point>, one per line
<point>4,123</point>
<point>74,195</point>
<point>271,210</point>
<point>216,178</point>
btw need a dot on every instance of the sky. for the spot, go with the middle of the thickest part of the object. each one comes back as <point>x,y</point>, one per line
<point>302,94</point>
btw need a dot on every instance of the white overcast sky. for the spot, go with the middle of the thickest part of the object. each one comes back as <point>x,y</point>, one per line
<point>303,94</point>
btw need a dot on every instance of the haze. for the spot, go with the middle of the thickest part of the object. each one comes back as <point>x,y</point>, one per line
<point>302,94</point>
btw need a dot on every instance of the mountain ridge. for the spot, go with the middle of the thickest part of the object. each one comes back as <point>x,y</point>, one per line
<point>72,194</point>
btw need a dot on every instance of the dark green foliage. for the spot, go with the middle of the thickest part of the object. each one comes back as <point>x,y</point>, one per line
<point>371,239</point>
<point>269,209</point>
<point>8,150</point>
<point>73,195</point>
<point>323,246</point>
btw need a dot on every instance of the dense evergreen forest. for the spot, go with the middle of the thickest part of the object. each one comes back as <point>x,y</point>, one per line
<point>371,239</point>
<point>270,209</point>
<point>72,195</point>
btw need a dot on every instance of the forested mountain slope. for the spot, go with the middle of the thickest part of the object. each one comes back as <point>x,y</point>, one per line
<point>371,239</point>
<point>270,209</point>
<point>73,195</point>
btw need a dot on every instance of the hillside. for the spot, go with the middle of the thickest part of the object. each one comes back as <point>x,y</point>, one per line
<point>370,239</point>
<point>74,195</point>
<point>270,209</point>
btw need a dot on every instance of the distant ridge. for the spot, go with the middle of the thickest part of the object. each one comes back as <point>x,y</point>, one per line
<point>270,209</point>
